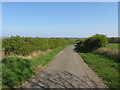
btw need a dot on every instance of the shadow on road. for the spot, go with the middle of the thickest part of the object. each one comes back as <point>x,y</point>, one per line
<point>63,79</point>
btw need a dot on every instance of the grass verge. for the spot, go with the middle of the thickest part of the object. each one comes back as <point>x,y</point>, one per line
<point>17,70</point>
<point>105,67</point>
<point>46,57</point>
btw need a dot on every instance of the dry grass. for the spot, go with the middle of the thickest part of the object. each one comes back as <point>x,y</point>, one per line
<point>33,54</point>
<point>30,56</point>
<point>114,53</point>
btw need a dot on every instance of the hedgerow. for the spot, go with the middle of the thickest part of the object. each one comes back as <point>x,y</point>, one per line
<point>25,45</point>
<point>14,45</point>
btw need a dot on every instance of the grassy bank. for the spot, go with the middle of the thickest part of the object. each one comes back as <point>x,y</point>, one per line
<point>105,67</point>
<point>17,70</point>
<point>46,57</point>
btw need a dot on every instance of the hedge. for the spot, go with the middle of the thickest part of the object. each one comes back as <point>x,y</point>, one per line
<point>25,45</point>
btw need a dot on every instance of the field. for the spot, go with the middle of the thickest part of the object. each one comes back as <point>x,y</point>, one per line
<point>113,46</point>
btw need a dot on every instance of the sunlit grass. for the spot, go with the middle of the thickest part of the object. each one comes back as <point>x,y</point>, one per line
<point>46,57</point>
<point>105,67</point>
<point>113,46</point>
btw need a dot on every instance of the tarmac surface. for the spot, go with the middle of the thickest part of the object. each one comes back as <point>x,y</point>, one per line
<point>67,70</point>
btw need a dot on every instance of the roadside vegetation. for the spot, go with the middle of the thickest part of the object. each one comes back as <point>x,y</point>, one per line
<point>45,58</point>
<point>17,70</point>
<point>102,57</point>
<point>105,67</point>
<point>25,45</point>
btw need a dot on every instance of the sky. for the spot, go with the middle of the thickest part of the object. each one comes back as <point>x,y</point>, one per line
<point>59,19</point>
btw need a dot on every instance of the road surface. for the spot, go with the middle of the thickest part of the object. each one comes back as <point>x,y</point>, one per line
<point>67,70</point>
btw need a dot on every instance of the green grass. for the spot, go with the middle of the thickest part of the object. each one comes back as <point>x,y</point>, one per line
<point>46,57</point>
<point>17,70</point>
<point>105,67</point>
<point>113,46</point>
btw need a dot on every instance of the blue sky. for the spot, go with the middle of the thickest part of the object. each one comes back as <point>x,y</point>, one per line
<point>60,19</point>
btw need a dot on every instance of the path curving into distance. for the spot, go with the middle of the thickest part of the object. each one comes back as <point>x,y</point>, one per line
<point>67,70</point>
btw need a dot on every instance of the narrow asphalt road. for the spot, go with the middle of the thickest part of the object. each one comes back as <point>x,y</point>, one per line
<point>67,70</point>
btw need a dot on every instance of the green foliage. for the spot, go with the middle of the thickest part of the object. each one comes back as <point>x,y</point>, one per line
<point>96,41</point>
<point>35,44</point>
<point>92,43</point>
<point>15,70</point>
<point>14,45</point>
<point>105,67</point>
<point>25,45</point>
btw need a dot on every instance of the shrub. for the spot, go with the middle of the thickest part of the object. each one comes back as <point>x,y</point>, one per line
<point>35,44</point>
<point>25,45</point>
<point>92,43</point>
<point>15,70</point>
<point>15,45</point>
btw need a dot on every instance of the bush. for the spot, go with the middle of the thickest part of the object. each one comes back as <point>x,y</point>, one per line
<point>14,45</point>
<point>35,44</point>
<point>25,45</point>
<point>92,43</point>
<point>15,71</point>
